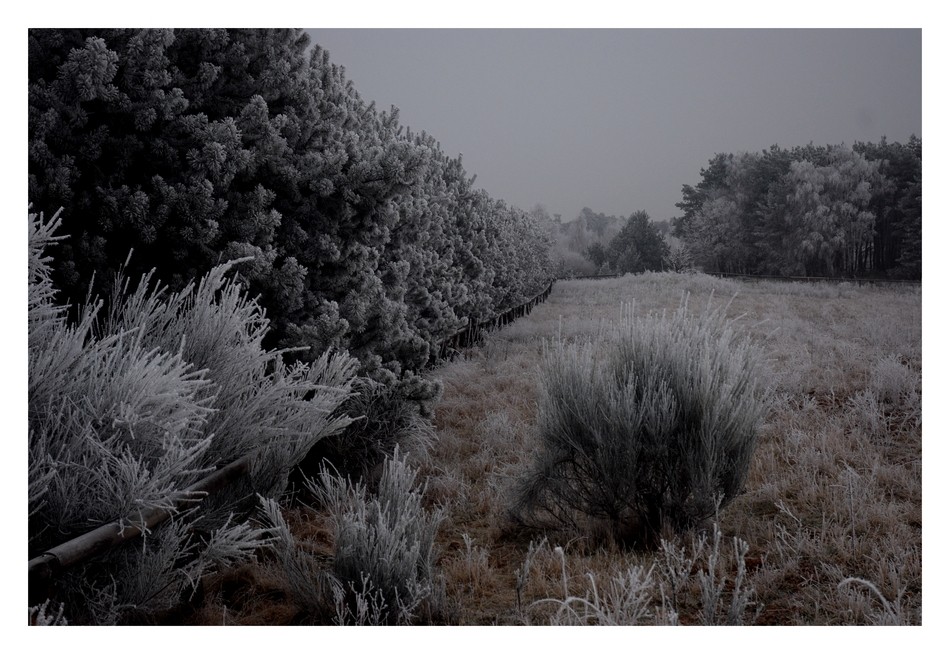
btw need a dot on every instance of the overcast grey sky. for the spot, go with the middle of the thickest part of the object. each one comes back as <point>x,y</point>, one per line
<point>618,120</point>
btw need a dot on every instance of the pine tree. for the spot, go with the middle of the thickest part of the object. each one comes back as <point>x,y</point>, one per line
<point>638,247</point>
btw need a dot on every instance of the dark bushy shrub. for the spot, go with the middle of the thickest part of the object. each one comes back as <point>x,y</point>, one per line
<point>650,429</point>
<point>381,419</point>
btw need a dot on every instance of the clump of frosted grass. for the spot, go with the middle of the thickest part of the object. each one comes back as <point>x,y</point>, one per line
<point>309,579</point>
<point>47,615</point>
<point>666,590</point>
<point>887,612</point>
<point>626,599</point>
<point>384,556</point>
<point>649,428</point>
<point>891,381</point>
<point>868,413</point>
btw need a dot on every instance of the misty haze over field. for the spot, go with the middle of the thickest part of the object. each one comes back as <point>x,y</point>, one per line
<point>619,119</point>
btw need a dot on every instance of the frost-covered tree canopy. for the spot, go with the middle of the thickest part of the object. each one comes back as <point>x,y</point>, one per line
<point>834,210</point>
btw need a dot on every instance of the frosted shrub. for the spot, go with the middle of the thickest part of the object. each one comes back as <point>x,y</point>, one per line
<point>384,551</point>
<point>139,397</point>
<point>678,259</point>
<point>650,428</point>
<point>382,420</point>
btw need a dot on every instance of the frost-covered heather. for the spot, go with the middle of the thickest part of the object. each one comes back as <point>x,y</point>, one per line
<point>648,427</point>
<point>137,398</point>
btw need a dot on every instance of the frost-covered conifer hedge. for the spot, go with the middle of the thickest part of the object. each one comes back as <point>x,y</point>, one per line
<point>195,146</point>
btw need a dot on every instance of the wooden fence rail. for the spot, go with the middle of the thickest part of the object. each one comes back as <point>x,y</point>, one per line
<point>82,548</point>
<point>852,280</point>
<point>475,332</point>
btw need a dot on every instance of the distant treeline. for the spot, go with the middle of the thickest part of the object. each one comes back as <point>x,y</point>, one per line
<point>834,211</point>
<point>595,243</point>
<point>196,146</point>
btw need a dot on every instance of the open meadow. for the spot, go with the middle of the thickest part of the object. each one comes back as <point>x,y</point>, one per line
<point>833,491</point>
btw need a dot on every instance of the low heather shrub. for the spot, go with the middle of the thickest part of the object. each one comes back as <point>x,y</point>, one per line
<point>384,546</point>
<point>647,430</point>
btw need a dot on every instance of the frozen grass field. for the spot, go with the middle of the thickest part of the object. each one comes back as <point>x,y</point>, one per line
<point>833,493</point>
<point>826,532</point>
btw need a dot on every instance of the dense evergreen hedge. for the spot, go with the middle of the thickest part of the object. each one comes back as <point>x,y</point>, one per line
<point>196,146</point>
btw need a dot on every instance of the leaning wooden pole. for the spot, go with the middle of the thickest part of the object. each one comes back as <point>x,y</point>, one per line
<point>51,562</point>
